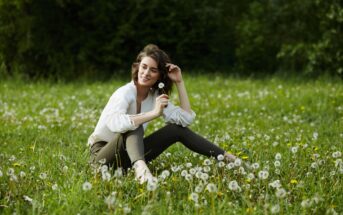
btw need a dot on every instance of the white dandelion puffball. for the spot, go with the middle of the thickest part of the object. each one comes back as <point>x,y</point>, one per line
<point>233,185</point>
<point>194,197</point>
<point>238,162</point>
<point>278,156</point>
<point>211,188</point>
<point>336,154</point>
<point>220,157</point>
<point>86,186</point>
<point>280,193</point>
<point>263,174</point>
<point>161,85</point>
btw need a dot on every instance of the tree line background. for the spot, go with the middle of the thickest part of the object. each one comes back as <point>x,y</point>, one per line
<point>72,38</point>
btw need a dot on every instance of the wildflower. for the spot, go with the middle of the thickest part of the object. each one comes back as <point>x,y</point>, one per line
<point>161,85</point>
<point>278,156</point>
<point>314,165</point>
<point>175,168</point>
<point>86,186</point>
<point>336,154</point>
<point>277,171</point>
<point>43,176</point>
<point>263,174</point>
<point>275,184</point>
<point>54,187</point>
<point>294,149</point>
<point>238,162</point>
<point>22,174</point>
<point>65,169</point>
<point>277,163</point>
<point>338,163</point>
<point>10,171</point>
<point>188,165</point>
<point>315,135</point>
<point>192,171</point>
<point>194,197</point>
<point>152,185</point>
<point>104,168</point>
<point>189,177</point>
<point>221,164</point>
<point>233,185</point>
<point>126,209</point>
<point>275,209</point>
<point>306,203</point>
<point>165,174</point>
<point>251,176</point>
<point>12,158</point>
<point>106,176</point>
<point>26,198</point>
<point>207,162</point>
<point>280,193</point>
<point>220,157</point>
<point>204,176</point>
<point>110,200</point>
<point>199,188</point>
<point>211,188</point>
<point>255,165</point>
<point>294,181</point>
<point>230,166</point>
<point>183,173</point>
<point>118,172</point>
<point>207,169</point>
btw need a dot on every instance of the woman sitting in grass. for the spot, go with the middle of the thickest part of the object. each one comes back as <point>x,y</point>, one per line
<point>118,139</point>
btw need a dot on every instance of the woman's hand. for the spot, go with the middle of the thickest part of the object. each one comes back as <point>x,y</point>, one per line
<point>160,104</point>
<point>174,72</point>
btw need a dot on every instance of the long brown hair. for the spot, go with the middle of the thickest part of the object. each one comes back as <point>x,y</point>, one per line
<point>161,59</point>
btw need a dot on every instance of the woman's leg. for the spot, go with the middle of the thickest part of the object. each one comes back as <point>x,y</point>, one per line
<point>112,153</point>
<point>159,141</point>
<point>135,150</point>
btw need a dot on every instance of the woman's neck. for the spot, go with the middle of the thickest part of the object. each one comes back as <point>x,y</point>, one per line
<point>142,92</point>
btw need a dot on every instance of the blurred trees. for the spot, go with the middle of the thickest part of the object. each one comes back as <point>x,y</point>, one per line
<point>68,38</point>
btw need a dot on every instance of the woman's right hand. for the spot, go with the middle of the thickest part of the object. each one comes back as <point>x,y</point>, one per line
<point>161,103</point>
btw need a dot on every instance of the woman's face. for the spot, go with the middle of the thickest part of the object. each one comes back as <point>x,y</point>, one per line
<point>148,72</point>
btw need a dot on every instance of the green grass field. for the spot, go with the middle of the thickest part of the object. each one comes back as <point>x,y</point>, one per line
<point>288,132</point>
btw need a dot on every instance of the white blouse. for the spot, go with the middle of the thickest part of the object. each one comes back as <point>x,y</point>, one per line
<point>115,116</point>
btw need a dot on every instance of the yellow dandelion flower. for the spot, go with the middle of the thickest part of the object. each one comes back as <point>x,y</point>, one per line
<point>16,164</point>
<point>245,157</point>
<point>250,210</point>
<point>294,181</point>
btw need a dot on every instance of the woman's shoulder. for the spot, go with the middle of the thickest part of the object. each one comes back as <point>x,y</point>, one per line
<point>127,91</point>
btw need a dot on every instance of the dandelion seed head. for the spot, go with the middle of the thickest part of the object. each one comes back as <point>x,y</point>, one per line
<point>278,156</point>
<point>86,186</point>
<point>263,174</point>
<point>275,209</point>
<point>194,197</point>
<point>233,185</point>
<point>54,187</point>
<point>230,166</point>
<point>43,176</point>
<point>161,85</point>
<point>336,154</point>
<point>238,162</point>
<point>221,164</point>
<point>211,188</point>
<point>220,157</point>
<point>280,193</point>
<point>277,163</point>
<point>207,162</point>
<point>255,166</point>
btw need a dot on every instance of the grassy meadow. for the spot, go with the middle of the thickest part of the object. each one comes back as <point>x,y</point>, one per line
<point>287,132</point>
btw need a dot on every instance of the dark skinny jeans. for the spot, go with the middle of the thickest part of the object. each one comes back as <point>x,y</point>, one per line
<point>129,147</point>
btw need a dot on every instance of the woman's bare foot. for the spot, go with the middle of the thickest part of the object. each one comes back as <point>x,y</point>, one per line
<point>142,172</point>
<point>229,157</point>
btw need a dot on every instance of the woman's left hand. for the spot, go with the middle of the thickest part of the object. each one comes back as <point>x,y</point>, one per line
<point>174,72</point>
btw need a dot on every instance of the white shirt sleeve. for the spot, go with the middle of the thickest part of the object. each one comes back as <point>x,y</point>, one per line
<point>176,115</point>
<point>115,113</point>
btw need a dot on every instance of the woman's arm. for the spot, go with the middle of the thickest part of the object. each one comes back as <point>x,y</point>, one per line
<point>175,75</point>
<point>161,102</point>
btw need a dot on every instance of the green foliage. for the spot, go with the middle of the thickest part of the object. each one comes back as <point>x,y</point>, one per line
<point>292,35</point>
<point>69,38</point>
